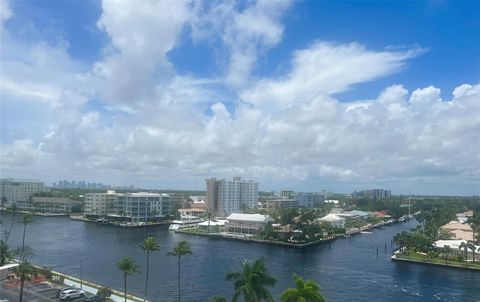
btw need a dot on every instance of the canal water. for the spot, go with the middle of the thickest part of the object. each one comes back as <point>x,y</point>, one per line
<point>347,269</point>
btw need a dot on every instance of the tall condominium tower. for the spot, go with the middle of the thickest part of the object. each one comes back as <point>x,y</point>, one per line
<point>231,196</point>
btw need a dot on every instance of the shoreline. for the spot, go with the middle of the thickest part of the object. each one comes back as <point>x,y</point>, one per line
<point>431,263</point>
<point>89,286</point>
<point>235,237</point>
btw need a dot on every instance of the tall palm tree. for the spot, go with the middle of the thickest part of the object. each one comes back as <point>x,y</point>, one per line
<point>252,282</point>
<point>24,269</point>
<point>13,208</point>
<point>129,267</point>
<point>305,291</point>
<point>471,246</point>
<point>464,246</point>
<point>181,249</point>
<point>149,245</point>
<point>26,219</point>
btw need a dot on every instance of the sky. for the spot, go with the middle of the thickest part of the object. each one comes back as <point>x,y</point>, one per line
<point>304,95</point>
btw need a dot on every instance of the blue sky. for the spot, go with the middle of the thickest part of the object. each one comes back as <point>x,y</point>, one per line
<point>234,83</point>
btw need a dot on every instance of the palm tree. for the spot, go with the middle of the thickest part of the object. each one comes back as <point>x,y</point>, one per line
<point>26,219</point>
<point>471,246</point>
<point>474,222</point>
<point>24,269</point>
<point>129,267</point>
<point>210,216</point>
<point>219,299</point>
<point>464,245</point>
<point>251,283</point>
<point>305,291</point>
<point>149,245</point>
<point>13,208</point>
<point>181,249</point>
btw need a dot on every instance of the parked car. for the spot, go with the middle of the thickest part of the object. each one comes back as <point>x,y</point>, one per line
<point>94,298</point>
<point>71,294</point>
<point>63,289</point>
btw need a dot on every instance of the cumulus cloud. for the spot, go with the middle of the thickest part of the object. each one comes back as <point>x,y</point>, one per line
<point>154,126</point>
<point>246,32</point>
<point>142,33</point>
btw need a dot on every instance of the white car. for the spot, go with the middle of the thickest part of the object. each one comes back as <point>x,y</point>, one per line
<point>71,294</point>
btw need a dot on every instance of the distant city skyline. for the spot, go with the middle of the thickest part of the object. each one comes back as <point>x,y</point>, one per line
<point>311,95</point>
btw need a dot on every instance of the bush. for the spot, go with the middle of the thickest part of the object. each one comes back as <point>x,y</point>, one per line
<point>46,272</point>
<point>104,292</point>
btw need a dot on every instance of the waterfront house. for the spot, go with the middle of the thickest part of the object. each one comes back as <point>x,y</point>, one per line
<point>215,225</point>
<point>460,231</point>
<point>247,223</point>
<point>454,247</point>
<point>48,205</point>
<point>334,220</point>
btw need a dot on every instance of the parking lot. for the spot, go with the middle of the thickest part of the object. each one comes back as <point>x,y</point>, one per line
<point>33,292</point>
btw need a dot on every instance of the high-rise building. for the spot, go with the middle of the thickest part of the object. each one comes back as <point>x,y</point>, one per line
<point>19,190</point>
<point>373,193</point>
<point>231,196</point>
<point>287,194</point>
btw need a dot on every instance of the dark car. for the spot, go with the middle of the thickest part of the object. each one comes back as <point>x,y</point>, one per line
<point>94,298</point>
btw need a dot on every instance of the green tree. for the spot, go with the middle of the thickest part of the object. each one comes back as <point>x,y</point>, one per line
<point>129,267</point>
<point>471,246</point>
<point>252,282</point>
<point>12,209</point>
<point>219,299</point>
<point>304,291</point>
<point>25,219</point>
<point>25,270</point>
<point>149,245</point>
<point>464,246</point>
<point>181,249</point>
<point>474,223</point>
<point>5,253</point>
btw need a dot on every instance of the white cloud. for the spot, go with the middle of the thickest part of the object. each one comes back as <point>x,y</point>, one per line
<point>5,13</point>
<point>246,33</point>
<point>154,126</point>
<point>326,68</point>
<point>142,33</point>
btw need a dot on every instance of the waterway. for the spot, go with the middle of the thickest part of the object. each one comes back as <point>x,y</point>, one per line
<point>347,269</point>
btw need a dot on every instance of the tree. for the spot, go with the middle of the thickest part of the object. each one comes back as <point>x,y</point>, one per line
<point>24,269</point>
<point>219,299</point>
<point>5,253</point>
<point>464,246</point>
<point>471,246</point>
<point>104,292</point>
<point>305,291</point>
<point>474,223</point>
<point>26,219</point>
<point>181,249</point>
<point>13,209</point>
<point>210,216</point>
<point>252,282</point>
<point>129,267</point>
<point>149,245</point>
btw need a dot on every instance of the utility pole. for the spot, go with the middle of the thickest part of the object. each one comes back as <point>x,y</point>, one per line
<point>81,274</point>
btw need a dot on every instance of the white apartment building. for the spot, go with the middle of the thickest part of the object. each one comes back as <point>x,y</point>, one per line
<point>141,206</point>
<point>231,196</point>
<point>99,204</point>
<point>19,190</point>
<point>134,207</point>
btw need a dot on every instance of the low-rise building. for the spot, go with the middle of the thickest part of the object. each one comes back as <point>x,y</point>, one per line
<point>282,203</point>
<point>141,206</point>
<point>334,220</point>
<point>50,205</point>
<point>99,204</point>
<point>460,231</point>
<point>247,223</point>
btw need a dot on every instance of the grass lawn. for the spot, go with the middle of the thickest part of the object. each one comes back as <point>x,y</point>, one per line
<point>438,260</point>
